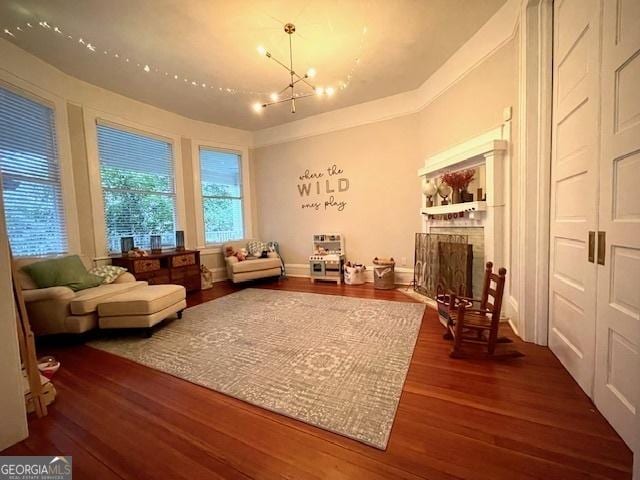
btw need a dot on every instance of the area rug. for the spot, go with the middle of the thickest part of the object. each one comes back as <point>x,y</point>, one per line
<point>335,362</point>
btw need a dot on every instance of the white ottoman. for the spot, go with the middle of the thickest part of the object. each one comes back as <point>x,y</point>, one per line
<point>142,307</point>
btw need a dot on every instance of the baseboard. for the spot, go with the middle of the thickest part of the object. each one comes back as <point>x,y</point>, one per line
<point>219,274</point>
<point>404,275</point>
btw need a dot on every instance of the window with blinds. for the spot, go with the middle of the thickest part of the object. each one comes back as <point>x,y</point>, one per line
<point>221,187</point>
<point>30,174</point>
<point>138,187</point>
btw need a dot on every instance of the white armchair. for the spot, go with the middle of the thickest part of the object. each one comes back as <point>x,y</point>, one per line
<point>252,268</point>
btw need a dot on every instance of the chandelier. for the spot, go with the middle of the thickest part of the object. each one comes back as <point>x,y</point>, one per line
<point>295,80</point>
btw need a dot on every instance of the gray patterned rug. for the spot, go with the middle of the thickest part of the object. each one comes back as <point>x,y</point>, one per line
<point>335,362</point>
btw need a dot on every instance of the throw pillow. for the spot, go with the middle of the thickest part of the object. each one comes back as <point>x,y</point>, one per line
<point>108,272</point>
<point>62,272</point>
<point>256,247</point>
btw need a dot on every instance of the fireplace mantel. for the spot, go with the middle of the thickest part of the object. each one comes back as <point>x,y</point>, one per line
<point>466,155</point>
<point>491,151</point>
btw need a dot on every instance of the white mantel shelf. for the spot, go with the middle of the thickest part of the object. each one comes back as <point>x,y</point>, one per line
<point>464,156</point>
<point>455,207</point>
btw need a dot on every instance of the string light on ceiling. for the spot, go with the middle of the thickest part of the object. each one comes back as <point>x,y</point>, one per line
<point>295,79</point>
<point>150,68</point>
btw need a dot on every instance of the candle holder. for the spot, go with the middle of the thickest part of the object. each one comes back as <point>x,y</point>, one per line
<point>179,240</point>
<point>126,244</point>
<point>156,244</point>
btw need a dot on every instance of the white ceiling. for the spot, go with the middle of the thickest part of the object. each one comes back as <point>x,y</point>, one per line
<point>214,42</point>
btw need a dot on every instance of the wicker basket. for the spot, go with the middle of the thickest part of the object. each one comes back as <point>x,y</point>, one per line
<point>384,276</point>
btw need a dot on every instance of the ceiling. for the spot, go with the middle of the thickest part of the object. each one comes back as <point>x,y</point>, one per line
<point>376,47</point>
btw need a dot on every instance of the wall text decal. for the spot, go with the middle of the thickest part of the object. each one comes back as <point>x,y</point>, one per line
<point>327,182</point>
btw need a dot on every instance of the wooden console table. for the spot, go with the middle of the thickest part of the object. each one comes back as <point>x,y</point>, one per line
<point>171,266</point>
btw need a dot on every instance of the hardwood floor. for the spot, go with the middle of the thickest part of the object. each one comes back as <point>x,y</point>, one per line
<point>523,418</point>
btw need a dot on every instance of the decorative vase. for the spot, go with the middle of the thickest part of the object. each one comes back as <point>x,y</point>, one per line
<point>455,196</point>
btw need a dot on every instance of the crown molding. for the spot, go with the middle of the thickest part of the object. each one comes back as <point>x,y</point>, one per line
<point>499,30</point>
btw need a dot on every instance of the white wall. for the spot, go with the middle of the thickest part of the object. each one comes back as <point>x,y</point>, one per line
<point>13,417</point>
<point>378,160</point>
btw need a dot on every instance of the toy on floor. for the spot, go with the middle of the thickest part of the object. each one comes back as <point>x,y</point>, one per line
<point>239,254</point>
<point>48,366</point>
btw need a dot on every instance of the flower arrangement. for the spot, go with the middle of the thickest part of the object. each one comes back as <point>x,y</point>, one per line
<point>459,180</point>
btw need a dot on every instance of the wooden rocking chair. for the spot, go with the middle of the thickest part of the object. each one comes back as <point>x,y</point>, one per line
<point>479,325</point>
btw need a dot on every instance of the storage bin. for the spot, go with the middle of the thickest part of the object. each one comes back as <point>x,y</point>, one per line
<point>384,276</point>
<point>354,275</point>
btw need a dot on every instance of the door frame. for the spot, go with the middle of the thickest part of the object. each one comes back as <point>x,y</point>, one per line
<point>534,177</point>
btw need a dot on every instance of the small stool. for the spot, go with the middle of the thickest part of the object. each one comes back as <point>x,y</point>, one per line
<point>142,307</point>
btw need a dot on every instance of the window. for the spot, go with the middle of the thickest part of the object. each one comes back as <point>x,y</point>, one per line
<point>30,174</point>
<point>138,187</point>
<point>221,187</point>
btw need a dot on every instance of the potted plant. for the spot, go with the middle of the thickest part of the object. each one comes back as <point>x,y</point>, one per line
<point>459,182</point>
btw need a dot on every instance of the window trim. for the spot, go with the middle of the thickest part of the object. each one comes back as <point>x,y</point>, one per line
<point>245,188</point>
<point>63,144</point>
<point>91,120</point>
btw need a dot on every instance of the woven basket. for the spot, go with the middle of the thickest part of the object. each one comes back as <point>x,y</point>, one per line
<point>384,276</point>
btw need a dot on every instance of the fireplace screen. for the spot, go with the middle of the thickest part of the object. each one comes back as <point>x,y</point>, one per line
<point>445,260</point>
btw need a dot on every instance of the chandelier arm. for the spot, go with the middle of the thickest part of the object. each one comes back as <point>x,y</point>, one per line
<point>288,99</point>
<point>283,100</point>
<point>281,64</point>
<point>305,95</point>
<point>283,90</point>
<point>304,80</point>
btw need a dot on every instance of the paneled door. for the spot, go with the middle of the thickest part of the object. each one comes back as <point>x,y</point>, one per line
<point>574,186</point>
<point>617,379</point>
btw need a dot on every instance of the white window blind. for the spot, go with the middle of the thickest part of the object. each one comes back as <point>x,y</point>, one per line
<point>221,188</point>
<point>138,187</point>
<point>30,174</point>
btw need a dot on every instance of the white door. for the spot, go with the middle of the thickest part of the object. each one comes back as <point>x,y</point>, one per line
<point>574,186</point>
<point>617,380</point>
